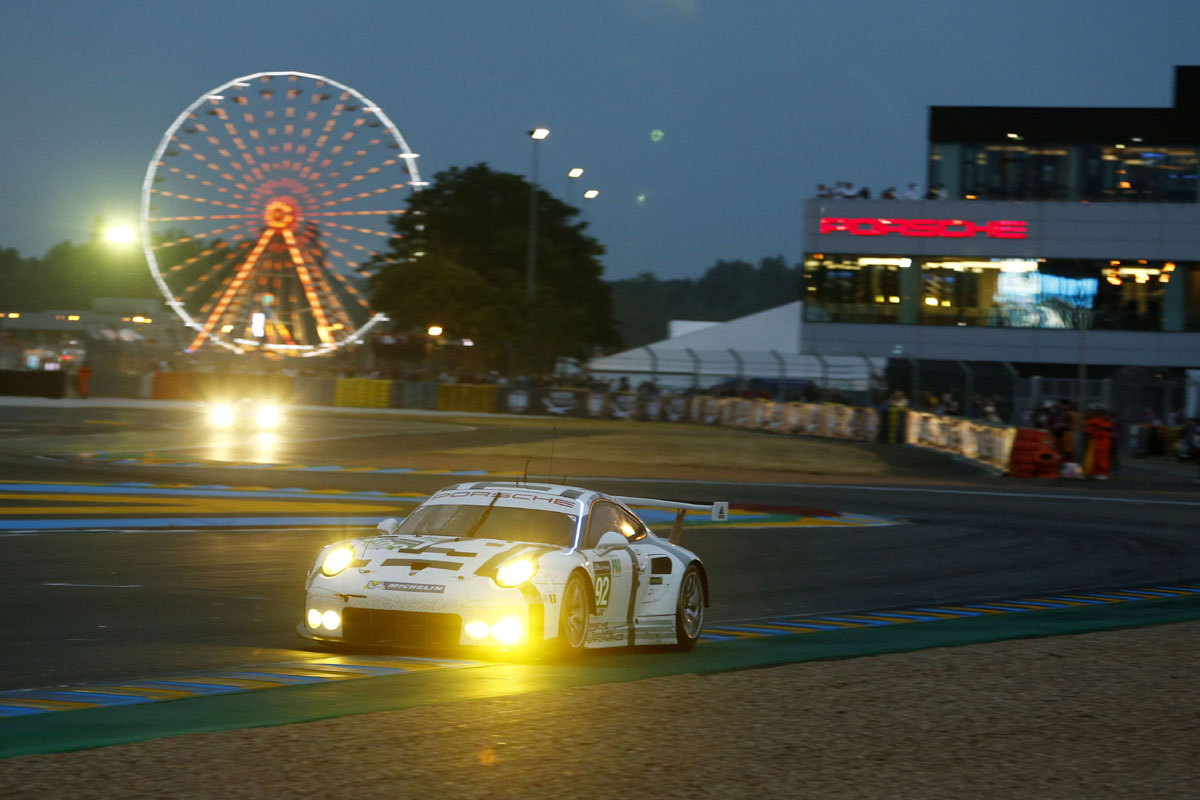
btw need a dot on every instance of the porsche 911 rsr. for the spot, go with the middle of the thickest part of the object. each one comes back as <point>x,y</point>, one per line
<point>505,565</point>
<point>245,414</point>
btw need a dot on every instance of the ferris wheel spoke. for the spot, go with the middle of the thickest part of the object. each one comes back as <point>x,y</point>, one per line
<point>363,213</point>
<point>203,254</point>
<point>358,155</point>
<point>359,196</point>
<point>191,176</point>
<point>192,237</point>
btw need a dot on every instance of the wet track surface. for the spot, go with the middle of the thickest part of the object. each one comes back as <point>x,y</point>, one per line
<point>107,601</point>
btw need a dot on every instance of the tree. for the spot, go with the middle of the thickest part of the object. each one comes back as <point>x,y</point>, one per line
<point>459,261</point>
<point>644,305</point>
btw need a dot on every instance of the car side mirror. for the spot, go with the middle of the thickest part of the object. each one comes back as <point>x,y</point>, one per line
<point>388,526</point>
<point>609,542</point>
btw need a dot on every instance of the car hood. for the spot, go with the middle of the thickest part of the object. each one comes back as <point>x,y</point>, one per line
<point>440,557</point>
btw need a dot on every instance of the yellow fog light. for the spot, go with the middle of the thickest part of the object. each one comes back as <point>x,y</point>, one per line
<point>331,620</point>
<point>337,560</point>
<point>477,629</point>
<point>314,618</point>
<point>508,630</point>
<point>516,571</point>
<point>222,416</point>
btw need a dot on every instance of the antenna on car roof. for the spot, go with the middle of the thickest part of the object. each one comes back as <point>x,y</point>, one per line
<point>550,471</point>
<point>525,475</point>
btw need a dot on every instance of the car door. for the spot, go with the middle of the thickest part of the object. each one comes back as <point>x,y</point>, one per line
<point>614,575</point>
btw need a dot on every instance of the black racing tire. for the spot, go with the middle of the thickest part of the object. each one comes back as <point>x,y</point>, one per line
<point>689,609</point>
<point>574,616</point>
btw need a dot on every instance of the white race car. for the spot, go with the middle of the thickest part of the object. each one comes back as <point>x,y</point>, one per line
<point>504,565</point>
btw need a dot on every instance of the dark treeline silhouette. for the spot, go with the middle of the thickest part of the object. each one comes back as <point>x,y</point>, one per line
<point>729,289</point>
<point>70,275</point>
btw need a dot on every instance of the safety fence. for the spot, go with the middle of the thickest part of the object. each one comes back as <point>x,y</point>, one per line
<point>987,444</point>
<point>980,442</point>
<point>992,445</point>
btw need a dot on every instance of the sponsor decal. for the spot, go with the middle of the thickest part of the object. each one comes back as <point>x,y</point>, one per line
<point>623,406</point>
<point>405,586</point>
<point>603,583</point>
<point>926,228</point>
<point>603,632</point>
<point>518,401</point>
<point>392,543</point>
<point>517,495</point>
<point>560,402</point>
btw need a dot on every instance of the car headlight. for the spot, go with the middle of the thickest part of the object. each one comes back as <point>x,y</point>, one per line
<point>267,416</point>
<point>515,571</point>
<point>221,416</point>
<point>337,560</point>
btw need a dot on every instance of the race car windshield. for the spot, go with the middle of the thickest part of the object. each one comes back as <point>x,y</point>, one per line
<point>491,522</point>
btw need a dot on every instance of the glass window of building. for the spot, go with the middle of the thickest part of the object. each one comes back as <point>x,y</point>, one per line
<point>1140,172</point>
<point>850,289</point>
<point>1031,293</point>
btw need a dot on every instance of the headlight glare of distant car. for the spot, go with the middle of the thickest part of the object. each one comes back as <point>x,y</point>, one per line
<point>515,571</point>
<point>221,416</point>
<point>267,416</point>
<point>337,560</point>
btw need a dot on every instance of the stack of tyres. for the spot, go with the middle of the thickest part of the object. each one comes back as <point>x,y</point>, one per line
<point>1034,455</point>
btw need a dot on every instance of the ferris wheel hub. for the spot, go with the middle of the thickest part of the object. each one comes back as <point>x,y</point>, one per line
<point>280,213</point>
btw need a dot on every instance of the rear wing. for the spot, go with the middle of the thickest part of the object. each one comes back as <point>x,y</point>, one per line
<point>719,511</point>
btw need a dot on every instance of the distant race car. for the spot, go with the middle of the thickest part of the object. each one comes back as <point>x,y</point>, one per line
<point>505,565</point>
<point>247,413</point>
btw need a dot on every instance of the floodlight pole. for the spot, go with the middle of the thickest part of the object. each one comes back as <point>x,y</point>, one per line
<point>535,135</point>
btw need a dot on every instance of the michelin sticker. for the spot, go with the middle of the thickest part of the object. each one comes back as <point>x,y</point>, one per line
<point>404,586</point>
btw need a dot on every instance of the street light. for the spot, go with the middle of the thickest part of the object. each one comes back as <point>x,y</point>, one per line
<point>591,193</point>
<point>119,234</point>
<point>535,135</point>
<point>574,172</point>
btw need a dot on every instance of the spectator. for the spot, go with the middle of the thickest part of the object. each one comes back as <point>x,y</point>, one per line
<point>912,192</point>
<point>83,377</point>
<point>824,191</point>
<point>888,193</point>
<point>1098,430</point>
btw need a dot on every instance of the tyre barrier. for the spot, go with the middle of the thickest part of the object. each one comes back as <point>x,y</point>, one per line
<point>1034,455</point>
<point>480,398</point>
<point>362,393</point>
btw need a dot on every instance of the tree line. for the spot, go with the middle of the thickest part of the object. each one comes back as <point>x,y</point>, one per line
<point>727,290</point>
<point>460,260</point>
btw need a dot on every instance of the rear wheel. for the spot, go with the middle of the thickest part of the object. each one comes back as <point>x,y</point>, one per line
<point>689,609</point>
<point>573,616</point>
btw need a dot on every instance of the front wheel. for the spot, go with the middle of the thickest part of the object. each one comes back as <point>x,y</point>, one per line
<point>689,609</point>
<point>573,616</point>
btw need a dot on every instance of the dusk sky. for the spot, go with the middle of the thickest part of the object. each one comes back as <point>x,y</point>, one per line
<point>757,101</point>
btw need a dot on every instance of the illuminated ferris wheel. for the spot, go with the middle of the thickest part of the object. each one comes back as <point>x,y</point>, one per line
<point>261,205</point>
